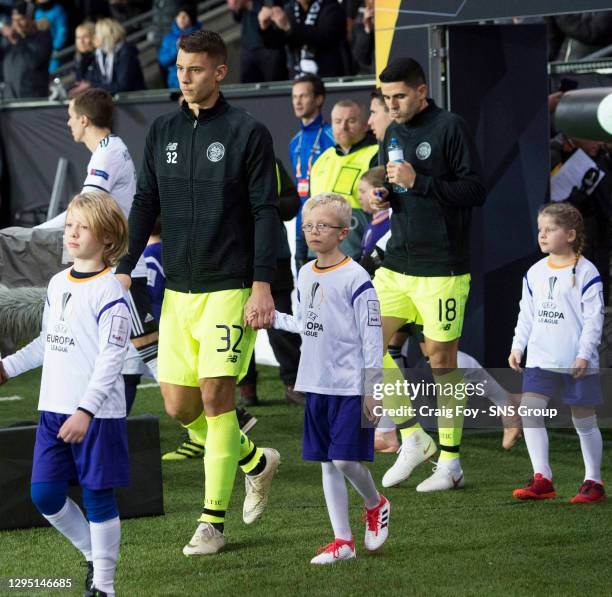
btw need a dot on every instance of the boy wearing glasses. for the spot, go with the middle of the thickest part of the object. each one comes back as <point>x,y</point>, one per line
<point>338,318</point>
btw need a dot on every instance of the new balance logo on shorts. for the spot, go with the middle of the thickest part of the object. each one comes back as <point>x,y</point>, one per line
<point>233,358</point>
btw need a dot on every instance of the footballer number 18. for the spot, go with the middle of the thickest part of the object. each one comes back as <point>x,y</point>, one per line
<point>447,309</point>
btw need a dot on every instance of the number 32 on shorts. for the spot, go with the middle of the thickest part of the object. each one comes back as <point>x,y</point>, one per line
<point>230,337</point>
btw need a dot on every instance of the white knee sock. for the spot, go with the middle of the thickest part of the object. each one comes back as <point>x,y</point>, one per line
<point>591,445</point>
<point>361,480</point>
<point>105,537</point>
<point>71,523</point>
<point>336,498</point>
<point>536,436</point>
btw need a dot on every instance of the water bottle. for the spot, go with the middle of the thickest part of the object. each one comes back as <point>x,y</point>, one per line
<point>396,154</point>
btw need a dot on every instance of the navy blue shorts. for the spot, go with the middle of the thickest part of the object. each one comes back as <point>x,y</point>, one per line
<point>585,391</point>
<point>100,461</point>
<point>333,431</point>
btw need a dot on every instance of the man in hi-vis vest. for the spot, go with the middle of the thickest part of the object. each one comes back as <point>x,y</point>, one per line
<point>339,168</point>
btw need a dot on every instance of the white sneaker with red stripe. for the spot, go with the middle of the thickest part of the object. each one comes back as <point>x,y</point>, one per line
<point>377,524</point>
<point>337,550</point>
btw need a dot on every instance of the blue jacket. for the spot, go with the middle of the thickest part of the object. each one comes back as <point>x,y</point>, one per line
<point>169,49</point>
<point>58,26</point>
<point>308,135</point>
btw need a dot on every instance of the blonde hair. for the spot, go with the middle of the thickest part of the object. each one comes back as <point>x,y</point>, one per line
<point>567,217</point>
<point>110,33</point>
<point>337,202</point>
<point>107,222</point>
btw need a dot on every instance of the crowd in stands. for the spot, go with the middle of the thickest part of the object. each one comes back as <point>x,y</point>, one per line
<point>278,40</point>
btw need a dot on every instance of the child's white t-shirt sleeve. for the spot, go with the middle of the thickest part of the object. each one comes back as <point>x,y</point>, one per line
<point>522,331</point>
<point>31,355</point>
<point>593,315</point>
<point>114,325</point>
<point>369,323</point>
<point>290,323</point>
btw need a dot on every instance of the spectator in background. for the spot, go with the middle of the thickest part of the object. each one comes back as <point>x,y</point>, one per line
<point>314,32</point>
<point>50,14</point>
<point>26,55</point>
<point>117,67</point>
<point>313,138</point>
<point>84,56</point>
<point>186,22</point>
<point>339,169</point>
<point>362,39</point>
<point>593,198</point>
<point>379,118</point>
<point>257,63</point>
<point>574,36</point>
<point>164,13</point>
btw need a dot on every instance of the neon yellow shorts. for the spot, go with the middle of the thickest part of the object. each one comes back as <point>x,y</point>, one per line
<point>437,302</point>
<point>203,336</point>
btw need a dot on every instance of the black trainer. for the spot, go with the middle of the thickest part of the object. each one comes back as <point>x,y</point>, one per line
<point>246,421</point>
<point>93,592</point>
<point>89,577</point>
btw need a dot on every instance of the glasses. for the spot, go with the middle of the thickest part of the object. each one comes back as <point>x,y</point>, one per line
<point>320,227</point>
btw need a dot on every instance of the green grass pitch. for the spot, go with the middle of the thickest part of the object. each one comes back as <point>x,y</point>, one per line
<point>476,541</point>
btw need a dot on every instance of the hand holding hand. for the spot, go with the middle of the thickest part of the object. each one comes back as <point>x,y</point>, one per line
<point>259,309</point>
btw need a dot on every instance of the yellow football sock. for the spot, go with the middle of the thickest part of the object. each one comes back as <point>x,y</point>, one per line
<point>223,449</point>
<point>450,428</point>
<point>405,417</point>
<point>250,454</point>
<point>198,429</point>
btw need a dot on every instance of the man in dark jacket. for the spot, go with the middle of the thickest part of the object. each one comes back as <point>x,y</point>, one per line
<point>257,62</point>
<point>209,170</point>
<point>314,32</point>
<point>27,52</point>
<point>425,275</point>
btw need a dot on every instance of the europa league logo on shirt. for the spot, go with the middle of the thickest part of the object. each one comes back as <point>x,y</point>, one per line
<point>313,292</point>
<point>65,299</point>
<point>552,281</point>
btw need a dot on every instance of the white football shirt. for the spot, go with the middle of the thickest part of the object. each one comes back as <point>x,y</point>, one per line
<point>558,322</point>
<point>82,346</point>
<point>338,317</point>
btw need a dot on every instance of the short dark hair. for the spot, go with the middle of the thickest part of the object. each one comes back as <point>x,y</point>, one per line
<point>203,41</point>
<point>97,105</point>
<point>407,70</point>
<point>377,95</point>
<point>318,87</point>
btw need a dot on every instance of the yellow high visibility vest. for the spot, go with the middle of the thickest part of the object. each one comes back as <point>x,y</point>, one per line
<point>333,173</point>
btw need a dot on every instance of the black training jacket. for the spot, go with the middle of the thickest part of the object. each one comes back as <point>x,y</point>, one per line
<point>214,181</point>
<point>430,225</point>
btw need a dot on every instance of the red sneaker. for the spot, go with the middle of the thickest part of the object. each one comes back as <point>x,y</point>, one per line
<point>539,488</point>
<point>589,493</point>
